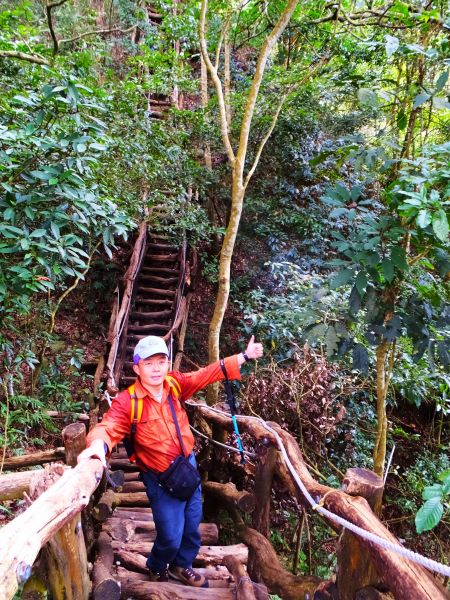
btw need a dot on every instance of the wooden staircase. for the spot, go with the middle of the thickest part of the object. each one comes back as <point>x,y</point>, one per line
<point>130,531</point>
<point>156,296</point>
<point>127,530</point>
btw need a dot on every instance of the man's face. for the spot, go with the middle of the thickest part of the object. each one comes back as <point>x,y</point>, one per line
<point>152,370</point>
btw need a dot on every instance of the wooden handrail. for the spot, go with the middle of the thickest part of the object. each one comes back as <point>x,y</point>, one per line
<point>405,579</point>
<point>22,538</point>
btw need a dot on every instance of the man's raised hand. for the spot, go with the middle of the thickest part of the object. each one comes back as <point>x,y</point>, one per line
<point>254,349</point>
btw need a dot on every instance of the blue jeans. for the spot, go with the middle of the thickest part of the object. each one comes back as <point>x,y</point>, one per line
<point>176,523</point>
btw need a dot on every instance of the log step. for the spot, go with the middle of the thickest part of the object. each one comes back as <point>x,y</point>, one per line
<point>160,246</point>
<point>155,301</point>
<point>207,555</point>
<point>148,316</point>
<point>146,290</point>
<point>148,329</point>
<point>133,586</point>
<point>161,257</point>
<point>160,271</point>
<point>155,278</point>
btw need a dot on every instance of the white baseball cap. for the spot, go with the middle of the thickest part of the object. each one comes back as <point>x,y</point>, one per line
<point>148,346</point>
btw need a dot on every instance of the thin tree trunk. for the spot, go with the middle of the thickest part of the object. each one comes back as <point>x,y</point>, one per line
<point>226,254</point>
<point>237,162</point>
<point>379,451</point>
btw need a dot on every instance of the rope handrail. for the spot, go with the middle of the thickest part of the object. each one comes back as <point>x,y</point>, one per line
<point>415,557</point>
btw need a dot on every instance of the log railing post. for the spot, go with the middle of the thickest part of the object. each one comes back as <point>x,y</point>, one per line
<point>267,457</point>
<point>74,438</point>
<point>65,553</point>
<point>105,586</point>
<point>355,569</point>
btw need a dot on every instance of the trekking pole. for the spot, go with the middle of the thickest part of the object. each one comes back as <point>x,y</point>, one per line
<point>232,404</point>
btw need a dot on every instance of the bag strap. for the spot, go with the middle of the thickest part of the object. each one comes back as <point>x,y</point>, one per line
<point>175,420</point>
<point>228,388</point>
<point>135,410</point>
<point>174,385</point>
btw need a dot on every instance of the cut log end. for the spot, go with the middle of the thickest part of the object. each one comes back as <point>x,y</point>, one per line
<point>108,589</point>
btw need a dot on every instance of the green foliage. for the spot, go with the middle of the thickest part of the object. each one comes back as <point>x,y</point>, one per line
<point>53,211</point>
<point>393,288</point>
<point>432,510</point>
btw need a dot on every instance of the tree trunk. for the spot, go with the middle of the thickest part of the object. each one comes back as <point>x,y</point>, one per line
<point>226,254</point>
<point>379,451</point>
<point>237,163</point>
<point>355,568</point>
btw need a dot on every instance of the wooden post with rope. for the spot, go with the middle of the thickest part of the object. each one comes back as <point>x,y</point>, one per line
<point>355,568</point>
<point>267,457</point>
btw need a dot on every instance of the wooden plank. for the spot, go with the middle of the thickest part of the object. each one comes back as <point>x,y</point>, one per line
<point>132,588</point>
<point>35,458</point>
<point>207,555</point>
<point>156,314</point>
<point>150,290</point>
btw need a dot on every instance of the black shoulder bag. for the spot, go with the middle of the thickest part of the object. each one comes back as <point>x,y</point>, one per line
<point>180,479</point>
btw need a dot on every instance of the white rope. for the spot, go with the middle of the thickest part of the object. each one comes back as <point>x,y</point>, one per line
<point>232,448</point>
<point>108,398</point>
<point>391,455</point>
<point>428,563</point>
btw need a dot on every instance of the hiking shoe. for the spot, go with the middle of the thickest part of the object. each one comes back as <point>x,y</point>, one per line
<point>161,576</point>
<point>188,576</point>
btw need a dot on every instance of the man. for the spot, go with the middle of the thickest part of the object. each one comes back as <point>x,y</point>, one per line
<point>156,445</point>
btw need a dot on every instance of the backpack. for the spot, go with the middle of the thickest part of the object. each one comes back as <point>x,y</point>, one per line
<point>136,408</point>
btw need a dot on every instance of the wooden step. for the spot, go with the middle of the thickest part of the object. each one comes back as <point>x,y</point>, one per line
<point>137,586</point>
<point>161,246</point>
<point>147,329</point>
<point>148,316</point>
<point>161,257</point>
<point>207,555</point>
<point>159,271</point>
<point>155,279</point>
<point>157,291</point>
<point>153,301</point>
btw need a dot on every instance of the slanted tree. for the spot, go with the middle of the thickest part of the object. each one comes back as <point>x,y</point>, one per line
<point>238,154</point>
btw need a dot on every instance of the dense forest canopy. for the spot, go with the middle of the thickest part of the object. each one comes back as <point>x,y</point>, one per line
<point>308,139</point>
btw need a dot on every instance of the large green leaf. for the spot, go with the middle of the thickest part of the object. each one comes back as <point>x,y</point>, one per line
<point>442,81</point>
<point>432,491</point>
<point>421,99</point>
<point>440,225</point>
<point>429,515</point>
<point>341,278</point>
<point>387,267</point>
<point>360,358</point>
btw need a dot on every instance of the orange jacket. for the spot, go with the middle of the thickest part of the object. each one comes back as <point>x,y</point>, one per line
<point>156,442</point>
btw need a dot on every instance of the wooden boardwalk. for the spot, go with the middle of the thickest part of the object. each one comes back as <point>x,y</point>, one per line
<point>128,529</point>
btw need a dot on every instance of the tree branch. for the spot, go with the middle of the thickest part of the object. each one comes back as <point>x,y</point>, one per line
<point>265,139</point>
<point>264,54</point>
<point>48,11</point>
<point>22,56</point>
<point>55,4</point>
<point>275,118</point>
<point>217,83</point>
<point>97,32</point>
